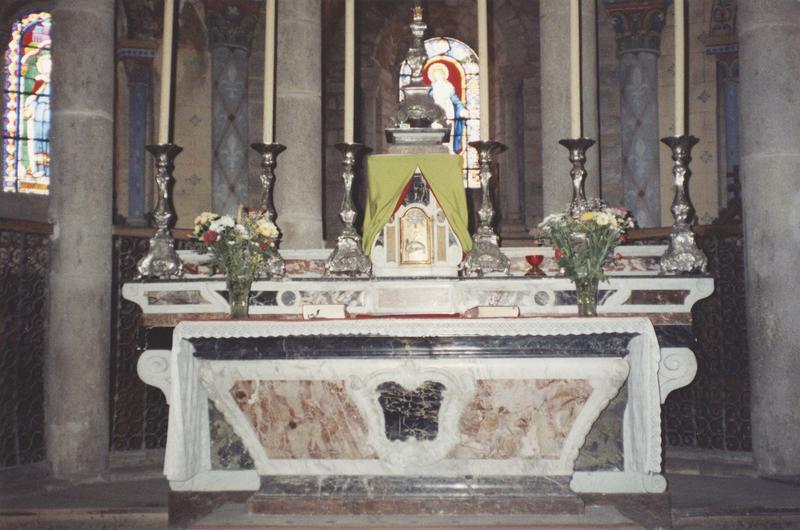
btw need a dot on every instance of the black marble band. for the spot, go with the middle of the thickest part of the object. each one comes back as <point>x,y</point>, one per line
<point>322,347</point>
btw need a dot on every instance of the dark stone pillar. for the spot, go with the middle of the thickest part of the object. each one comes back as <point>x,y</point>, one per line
<point>230,32</point>
<point>79,308</point>
<point>139,69</point>
<point>638,28</point>
<point>769,114</point>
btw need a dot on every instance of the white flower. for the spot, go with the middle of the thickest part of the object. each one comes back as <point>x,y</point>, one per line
<point>218,225</point>
<point>242,230</point>
<point>602,218</point>
<point>552,219</point>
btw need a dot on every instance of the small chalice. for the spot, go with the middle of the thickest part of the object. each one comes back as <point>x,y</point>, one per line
<point>534,261</point>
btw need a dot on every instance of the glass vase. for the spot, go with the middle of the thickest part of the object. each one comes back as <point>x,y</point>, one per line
<point>586,291</point>
<point>239,295</point>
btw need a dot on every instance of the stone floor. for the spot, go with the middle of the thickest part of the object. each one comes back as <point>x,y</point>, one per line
<point>136,499</point>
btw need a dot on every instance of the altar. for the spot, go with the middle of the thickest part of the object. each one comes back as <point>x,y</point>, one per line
<point>418,367</point>
<point>386,393</point>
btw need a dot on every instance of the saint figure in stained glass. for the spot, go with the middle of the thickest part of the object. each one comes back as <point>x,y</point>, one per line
<point>26,138</point>
<point>452,73</point>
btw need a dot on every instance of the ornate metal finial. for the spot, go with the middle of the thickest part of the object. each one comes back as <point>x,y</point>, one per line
<point>417,109</point>
<point>416,12</point>
<point>682,255</point>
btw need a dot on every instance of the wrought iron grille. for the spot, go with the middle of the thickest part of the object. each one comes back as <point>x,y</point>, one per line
<point>714,411</point>
<point>24,264</point>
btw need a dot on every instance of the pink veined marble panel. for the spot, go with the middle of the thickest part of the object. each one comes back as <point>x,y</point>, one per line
<point>519,418</point>
<point>304,419</point>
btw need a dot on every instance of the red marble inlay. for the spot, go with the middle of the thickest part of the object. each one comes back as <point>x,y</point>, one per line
<point>518,418</point>
<point>304,419</point>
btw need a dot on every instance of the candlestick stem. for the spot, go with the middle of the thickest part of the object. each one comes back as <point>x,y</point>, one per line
<point>161,260</point>
<point>485,255</point>
<point>577,155</point>
<point>274,266</point>
<point>347,258</point>
<point>683,254</point>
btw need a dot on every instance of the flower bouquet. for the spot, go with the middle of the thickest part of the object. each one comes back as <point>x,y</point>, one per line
<point>583,244</point>
<point>239,248</point>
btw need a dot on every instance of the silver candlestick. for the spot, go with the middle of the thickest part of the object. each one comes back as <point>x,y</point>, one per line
<point>485,255</point>
<point>577,155</point>
<point>161,260</point>
<point>683,254</point>
<point>348,258</point>
<point>274,266</point>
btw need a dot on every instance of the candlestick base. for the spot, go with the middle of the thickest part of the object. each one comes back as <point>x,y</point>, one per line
<point>577,155</point>
<point>682,255</point>
<point>274,265</point>
<point>485,256</point>
<point>161,260</point>
<point>347,258</point>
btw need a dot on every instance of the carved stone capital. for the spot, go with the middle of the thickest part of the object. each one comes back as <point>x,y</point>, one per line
<point>232,23</point>
<point>137,56</point>
<point>637,24</point>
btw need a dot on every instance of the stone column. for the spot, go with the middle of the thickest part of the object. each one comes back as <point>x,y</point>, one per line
<point>79,306</point>
<point>230,33</point>
<point>721,42</point>
<point>139,69</point>
<point>769,59</point>
<point>554,61</point>
<point>298,109</point>
<point>638,28</point>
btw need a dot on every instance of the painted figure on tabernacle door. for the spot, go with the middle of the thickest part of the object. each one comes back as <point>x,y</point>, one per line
<point>445,95</point>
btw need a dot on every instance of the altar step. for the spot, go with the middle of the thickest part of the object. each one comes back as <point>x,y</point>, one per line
<point>415,496</point>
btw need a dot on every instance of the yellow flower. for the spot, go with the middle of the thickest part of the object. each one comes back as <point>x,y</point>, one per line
<point>266,228</point>
<point>587,216</point>
<point>602,218</point>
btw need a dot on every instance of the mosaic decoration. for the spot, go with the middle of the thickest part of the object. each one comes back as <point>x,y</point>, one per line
<point>26,122</point>
<point>452,72</point>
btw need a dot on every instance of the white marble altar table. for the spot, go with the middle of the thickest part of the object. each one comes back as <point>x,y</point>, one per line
<point>250,399</point>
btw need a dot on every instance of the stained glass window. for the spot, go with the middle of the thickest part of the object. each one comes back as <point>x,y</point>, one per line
<point>26,120</point>
<point>452,73</point>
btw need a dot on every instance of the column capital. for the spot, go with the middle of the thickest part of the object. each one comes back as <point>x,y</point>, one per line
<point>232,23</point>
<point>721,39</point>
<point>637,24</point>
<point>137,56</point>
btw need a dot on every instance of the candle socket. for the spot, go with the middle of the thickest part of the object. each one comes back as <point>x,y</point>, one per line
<point>577,155</point>
<point>347,258</point>
<point>682,255</point>
<point>161,260</point>
<point>274,266</point>
<point>485,255</point>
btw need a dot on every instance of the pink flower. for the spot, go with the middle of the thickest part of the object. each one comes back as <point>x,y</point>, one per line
<point>559,253</point>
<point>210,237</point>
